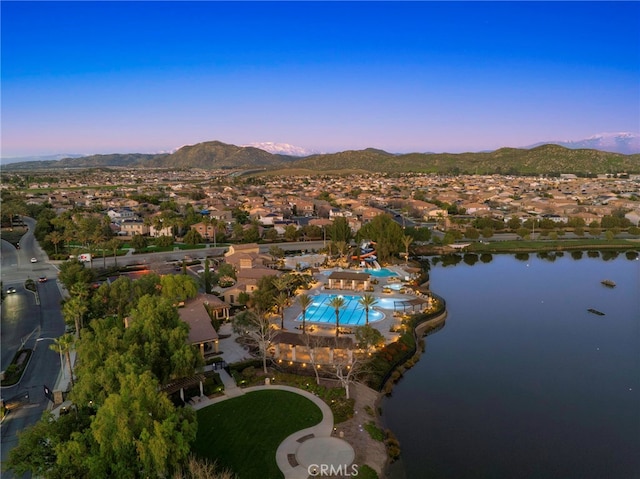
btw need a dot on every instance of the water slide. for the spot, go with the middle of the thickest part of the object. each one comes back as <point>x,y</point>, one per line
<point>367,253</point>
<point>371,255</point>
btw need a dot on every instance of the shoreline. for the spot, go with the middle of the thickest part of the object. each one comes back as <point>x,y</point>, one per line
<point>375,452</point>
<point>525,246</point>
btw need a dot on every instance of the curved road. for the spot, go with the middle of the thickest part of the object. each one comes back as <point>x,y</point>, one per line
<point>31,321</point>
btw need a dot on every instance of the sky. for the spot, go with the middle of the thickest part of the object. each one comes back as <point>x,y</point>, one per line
<point>146,77</point>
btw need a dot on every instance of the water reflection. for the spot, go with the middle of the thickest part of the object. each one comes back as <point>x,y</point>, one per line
<point>471,259</point>
<point>522,256</point>
<point>524,382</point>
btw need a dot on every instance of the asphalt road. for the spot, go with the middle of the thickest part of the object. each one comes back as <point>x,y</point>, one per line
<point>157,260</point>
<point>30,320</point>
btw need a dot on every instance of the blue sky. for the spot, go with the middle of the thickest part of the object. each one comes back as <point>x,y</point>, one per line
<point>104,77</point>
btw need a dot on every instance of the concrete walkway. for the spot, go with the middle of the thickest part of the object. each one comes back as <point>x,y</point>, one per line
<point>301,451</point>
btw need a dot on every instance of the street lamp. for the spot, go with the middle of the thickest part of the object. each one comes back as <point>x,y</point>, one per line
<point>59,352</point>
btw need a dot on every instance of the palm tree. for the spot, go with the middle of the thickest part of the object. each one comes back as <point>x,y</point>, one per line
<point>367,301</point>
<point>304,301</point>
<point>63,345</point>
<point>337,303</point>
<point>55,237</point>
<point>281,284</point>
<point>281,302</point>
<point>69,235</point>
<point>98,240</point>
<point>114,244</point>
<point>215,224</point>
<point>342,248</point>
<point>406,241</point>
<point>74,308</point>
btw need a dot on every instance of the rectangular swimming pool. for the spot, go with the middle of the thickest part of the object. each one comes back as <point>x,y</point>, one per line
<point>352,314</point>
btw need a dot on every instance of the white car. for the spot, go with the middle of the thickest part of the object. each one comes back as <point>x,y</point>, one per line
<point>34,260</point>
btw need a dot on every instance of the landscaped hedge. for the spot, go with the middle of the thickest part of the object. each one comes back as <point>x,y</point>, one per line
<point>14,371</point>
<point>390,362</point>
<point>383,363</point>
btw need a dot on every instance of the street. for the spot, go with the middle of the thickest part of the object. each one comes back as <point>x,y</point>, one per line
<point>31,321</point>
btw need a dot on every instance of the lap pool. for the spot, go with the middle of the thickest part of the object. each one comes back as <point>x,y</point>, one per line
<point>352,314</point>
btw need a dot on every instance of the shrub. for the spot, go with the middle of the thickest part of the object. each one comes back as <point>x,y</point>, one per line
<point>213,385</point>
<point>374,431</point>
<point>342,409</point>
<point>367,472</point>
<point>393,446</point>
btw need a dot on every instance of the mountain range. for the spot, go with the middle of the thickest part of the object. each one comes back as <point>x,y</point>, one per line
<point>543,159</point>
<point>622,142</point>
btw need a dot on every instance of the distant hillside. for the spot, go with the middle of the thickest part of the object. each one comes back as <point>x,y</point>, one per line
<point>545,159</point>
<point>208,155</point>
<point>22,159</point>
<point>93,161</point>
<point>215,154</point>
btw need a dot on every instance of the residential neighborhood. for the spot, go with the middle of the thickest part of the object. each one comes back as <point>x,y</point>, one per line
<point>169,203</point>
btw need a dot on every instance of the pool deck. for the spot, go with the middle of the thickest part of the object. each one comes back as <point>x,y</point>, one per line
<point>328,329</point>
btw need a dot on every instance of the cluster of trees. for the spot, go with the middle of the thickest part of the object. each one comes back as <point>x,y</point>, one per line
<point>130,342</point>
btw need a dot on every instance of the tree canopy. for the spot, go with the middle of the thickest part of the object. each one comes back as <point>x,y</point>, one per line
<point>386,233</point>
<point>124,425</point>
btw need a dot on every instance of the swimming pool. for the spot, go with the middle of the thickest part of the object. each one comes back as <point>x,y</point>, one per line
<point>380,273</point>
<point>352,314</point>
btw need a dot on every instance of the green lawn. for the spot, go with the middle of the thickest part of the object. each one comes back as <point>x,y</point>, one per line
<point>244,433</point>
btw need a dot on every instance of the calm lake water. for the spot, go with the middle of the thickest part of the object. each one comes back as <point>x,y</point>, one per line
<point>523,382</point>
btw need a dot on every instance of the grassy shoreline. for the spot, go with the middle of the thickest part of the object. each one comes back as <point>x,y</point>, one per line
<point>534,246</point>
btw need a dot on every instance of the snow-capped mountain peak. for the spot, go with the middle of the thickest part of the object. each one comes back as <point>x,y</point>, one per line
<point>623,142</point>
<point>282,149</point>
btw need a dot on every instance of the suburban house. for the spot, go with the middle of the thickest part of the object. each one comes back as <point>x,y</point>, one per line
<point>133,227</point>
<point>121,215</point>
<point>207,231</point>
<point>245,256</point>
<point>250,266</point>
<point>155,232</point>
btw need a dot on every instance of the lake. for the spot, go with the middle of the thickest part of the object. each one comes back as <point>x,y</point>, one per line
<point>524,382</point>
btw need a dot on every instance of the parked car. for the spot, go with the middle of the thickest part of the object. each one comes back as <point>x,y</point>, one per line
<point>11,290</point>
<point>34,260</point>
<point>42,279</point>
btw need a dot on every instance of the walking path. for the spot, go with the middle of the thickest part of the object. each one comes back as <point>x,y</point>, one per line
<point>302,453</point>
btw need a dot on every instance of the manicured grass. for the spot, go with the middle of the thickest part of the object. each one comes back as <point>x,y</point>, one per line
<point>13,236</point>
<point>244,433</point>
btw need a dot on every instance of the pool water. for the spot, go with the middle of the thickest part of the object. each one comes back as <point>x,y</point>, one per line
<point>380,273</point>
<point>351,314</point>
